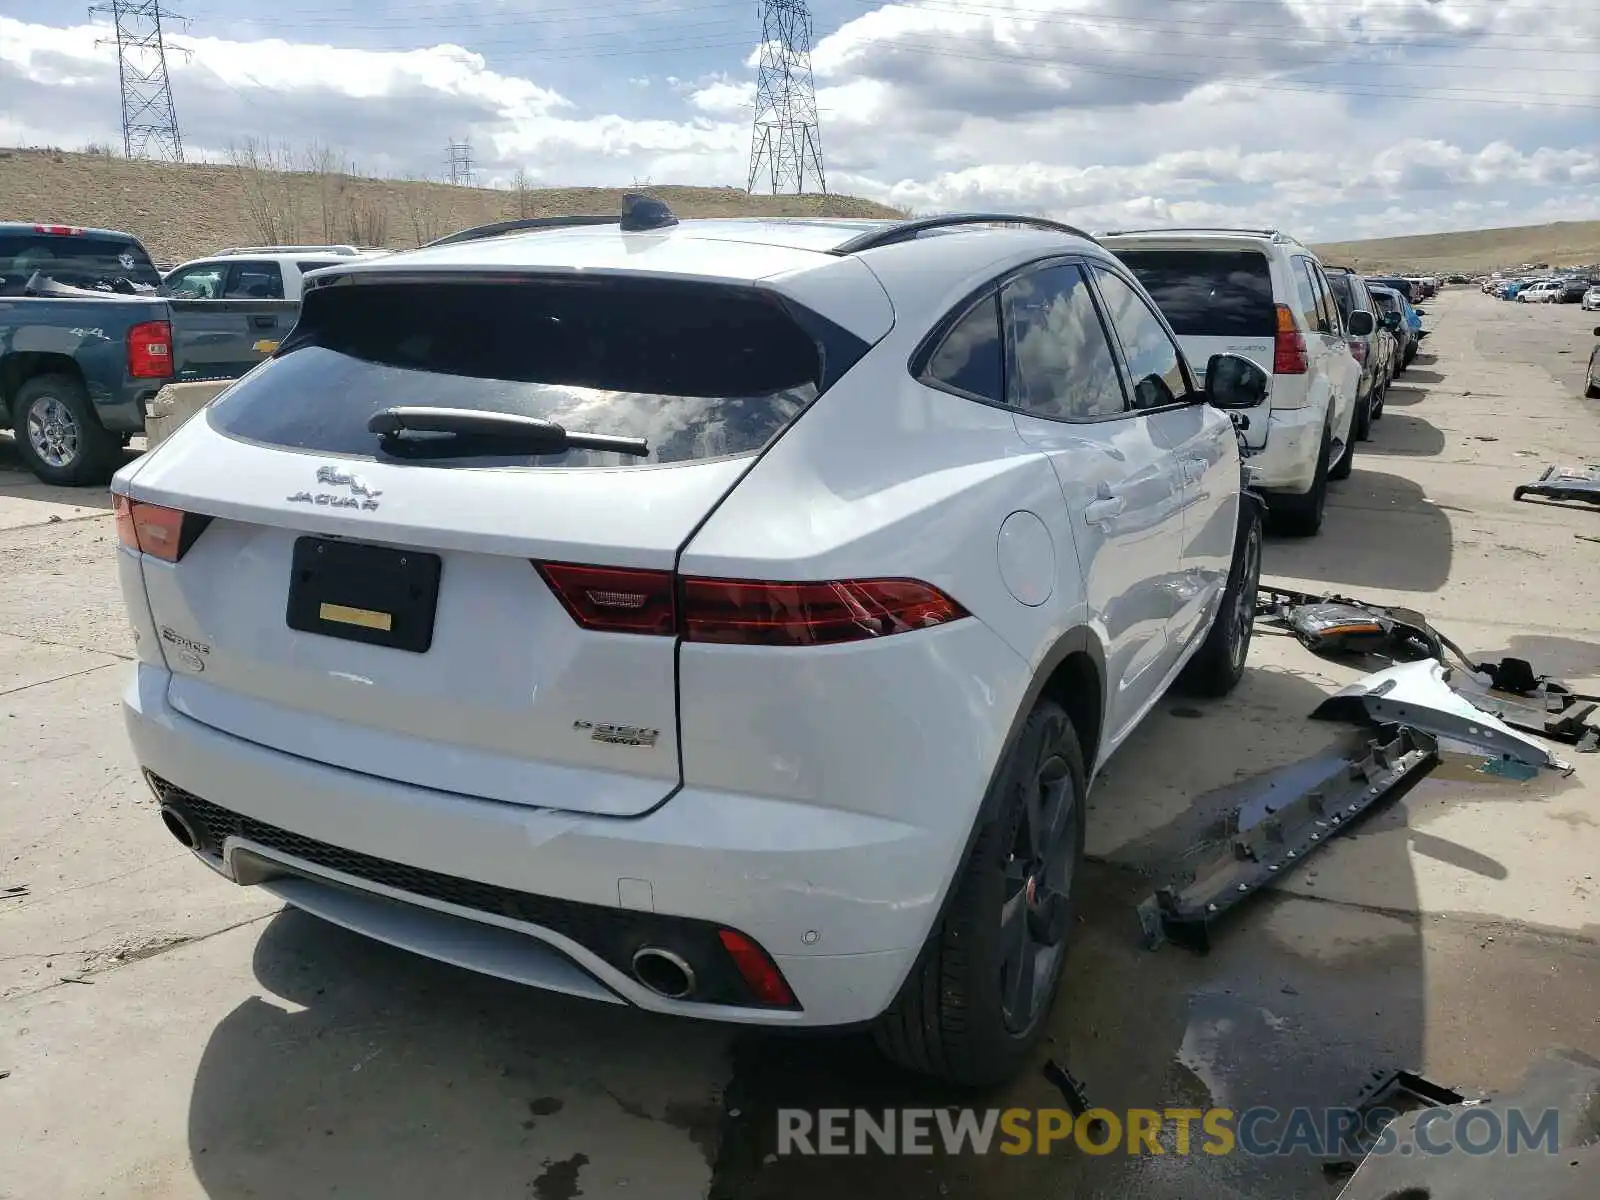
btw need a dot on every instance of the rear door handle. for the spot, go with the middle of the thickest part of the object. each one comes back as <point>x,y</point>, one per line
<point>263,322</point>
<point>1104,510</point>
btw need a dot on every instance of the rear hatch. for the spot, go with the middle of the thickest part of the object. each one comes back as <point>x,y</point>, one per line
<point>461,612</point>
<point>1218,301</point>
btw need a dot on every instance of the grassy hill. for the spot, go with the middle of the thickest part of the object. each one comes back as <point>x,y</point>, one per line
<point>183,211</point>
<point>1566,243</point>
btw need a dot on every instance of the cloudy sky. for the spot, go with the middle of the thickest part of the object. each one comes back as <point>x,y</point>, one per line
<point>1334,118</point>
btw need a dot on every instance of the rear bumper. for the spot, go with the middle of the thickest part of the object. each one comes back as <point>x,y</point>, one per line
<point>1289,461</point>
<point>860,889</point>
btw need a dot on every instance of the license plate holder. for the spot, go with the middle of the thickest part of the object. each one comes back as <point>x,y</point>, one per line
<point>361,593</point>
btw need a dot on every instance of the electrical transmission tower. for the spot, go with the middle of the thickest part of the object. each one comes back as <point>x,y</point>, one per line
<point>460,160</point>
<point>149,121</point>
<point>786,145</point>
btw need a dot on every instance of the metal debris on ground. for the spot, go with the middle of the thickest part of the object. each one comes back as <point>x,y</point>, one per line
<point>1071,1089</point>
<point>1557,1159</point>
<point>1385,1096</point>
<point>1280,819</point>
<point>1565,484</point>
<point>1418,695</point>
<point>15,892</point>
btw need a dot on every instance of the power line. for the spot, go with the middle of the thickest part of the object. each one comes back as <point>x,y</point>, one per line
<point>786,142</point>
<point>149,118</point>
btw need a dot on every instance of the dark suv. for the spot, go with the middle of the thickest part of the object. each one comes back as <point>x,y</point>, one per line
<point>1373,351</point>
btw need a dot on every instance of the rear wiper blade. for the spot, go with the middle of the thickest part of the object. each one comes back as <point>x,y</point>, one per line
<point>544,437</point>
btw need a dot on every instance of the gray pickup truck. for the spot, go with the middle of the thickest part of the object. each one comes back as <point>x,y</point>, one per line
<point>87,339</point>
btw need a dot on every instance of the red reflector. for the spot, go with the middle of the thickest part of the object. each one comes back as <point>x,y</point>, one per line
<point>759,972</point>
<point>154,530</point>
<point>743,612</point>
<point>150,350</point>
<point>614,599</point>
<point>62,230</point>
<point>1288,346</point>
<point>1358,348</point>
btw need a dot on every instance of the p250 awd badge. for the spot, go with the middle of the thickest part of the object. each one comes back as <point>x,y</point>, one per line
<point>190,653</point>
<point>618,735</point>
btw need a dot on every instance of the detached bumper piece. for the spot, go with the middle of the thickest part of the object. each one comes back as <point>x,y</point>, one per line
<point>1540,1143</point>
<point>1280,820</point>
<point>1564,484</point>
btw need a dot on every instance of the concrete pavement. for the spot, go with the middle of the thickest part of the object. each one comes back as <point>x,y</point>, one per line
<point>170,1036</point>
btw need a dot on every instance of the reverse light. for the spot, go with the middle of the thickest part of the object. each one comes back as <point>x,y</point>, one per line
<point>760,973</point>
<point>743,611</point>
<point>164,533</point>
<point>1288,345</point>
<point>150,350</point>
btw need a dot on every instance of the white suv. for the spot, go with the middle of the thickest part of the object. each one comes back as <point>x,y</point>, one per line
<point>255,272</point>
<point>1262,294</point>
<point>725,618</point>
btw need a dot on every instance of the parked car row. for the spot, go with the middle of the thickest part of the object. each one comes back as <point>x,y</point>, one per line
<point>1333,341</point>
<point>91,331</point>
<point>1568,289</point>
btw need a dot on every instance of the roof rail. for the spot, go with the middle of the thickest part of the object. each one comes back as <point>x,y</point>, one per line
<point>347,251</point>
<point>496,228</point>
<point>1277,235</point>
<point>639,214</point>
<point>905,231</point>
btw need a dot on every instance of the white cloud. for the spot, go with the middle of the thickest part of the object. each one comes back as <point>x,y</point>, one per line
<point>1367,115</point>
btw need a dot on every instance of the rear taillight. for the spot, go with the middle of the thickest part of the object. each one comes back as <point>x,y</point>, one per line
<point>746,612</point>
<point>1358,349</point>
<point>612,599</point>
<point>164,533</point>
<point>1288,345</point>
<point>150,350</point>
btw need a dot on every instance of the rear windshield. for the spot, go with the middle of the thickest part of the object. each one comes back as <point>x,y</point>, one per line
<point>698,372</point>
<point>1209,293</point>
<point>77,260</point>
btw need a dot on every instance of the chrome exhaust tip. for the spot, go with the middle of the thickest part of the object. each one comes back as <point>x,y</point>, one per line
<point>178,826</point>
<point>663,972</point>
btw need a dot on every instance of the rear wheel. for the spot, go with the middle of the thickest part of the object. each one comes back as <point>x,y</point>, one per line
<point>1347,456</point>
<point>977,999</point>
<point>1591,382</point>
<point>58,434</point>
<point>1217,667</point>
<point>1301,516</point>
<point>1361,426</point>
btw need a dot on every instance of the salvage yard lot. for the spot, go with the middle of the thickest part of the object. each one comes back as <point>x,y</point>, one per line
<point>170,1036</point>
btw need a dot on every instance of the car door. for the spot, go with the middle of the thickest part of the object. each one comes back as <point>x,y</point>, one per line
<point>1121,487</point>
<point>1201,440</point>
<point>1330,364</point>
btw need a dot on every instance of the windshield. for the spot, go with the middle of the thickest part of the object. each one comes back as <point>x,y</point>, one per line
<point>78,260</point>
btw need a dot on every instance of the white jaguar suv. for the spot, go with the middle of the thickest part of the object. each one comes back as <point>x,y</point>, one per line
<point>723,617</point>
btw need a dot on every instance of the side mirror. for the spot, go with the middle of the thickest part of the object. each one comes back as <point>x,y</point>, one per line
<point>1361,323</point>
<point>1597,331</point>
<point>1421,312</point>
<point>1391,320</point>
<point>1234,381</point>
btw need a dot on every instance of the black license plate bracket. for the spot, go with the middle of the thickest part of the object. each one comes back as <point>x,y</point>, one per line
<point>362,593</point>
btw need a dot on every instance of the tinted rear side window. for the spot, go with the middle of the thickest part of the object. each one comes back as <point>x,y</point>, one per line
<point>1208,293</point>
<point>698,372</point>
<point>1343,293</point>
<point>77,260</point>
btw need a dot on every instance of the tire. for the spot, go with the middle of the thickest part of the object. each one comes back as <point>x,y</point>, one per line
<point>1377,407</point>
<point>1301,516</point>
<point>1591,380</point>
<point>950,1019</point>
<point>1217,667</point>
<point>58,434</point>
<point>1361,425</point>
